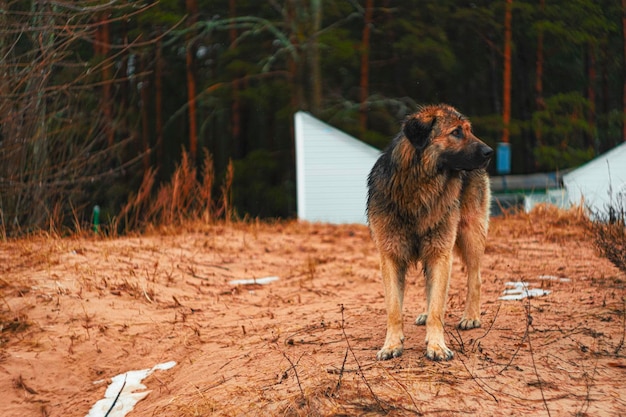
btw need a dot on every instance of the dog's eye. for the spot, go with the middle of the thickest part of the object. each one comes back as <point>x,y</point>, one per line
<point>457,133</point>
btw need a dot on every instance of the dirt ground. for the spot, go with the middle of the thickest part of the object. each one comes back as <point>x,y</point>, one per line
<point>80,310</point>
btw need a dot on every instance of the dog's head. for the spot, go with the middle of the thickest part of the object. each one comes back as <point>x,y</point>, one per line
<point>444,138</point>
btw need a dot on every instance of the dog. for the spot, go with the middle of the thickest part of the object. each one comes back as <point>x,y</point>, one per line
<point>428,193</point>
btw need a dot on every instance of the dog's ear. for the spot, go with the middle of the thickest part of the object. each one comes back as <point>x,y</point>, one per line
<point>418,131</point>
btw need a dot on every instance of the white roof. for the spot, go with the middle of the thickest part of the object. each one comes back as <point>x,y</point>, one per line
<point>331,170</point>
<point>600,183</point>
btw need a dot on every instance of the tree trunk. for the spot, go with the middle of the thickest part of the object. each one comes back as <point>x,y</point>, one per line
<point>192,9</point>
<point>506,91</point>
<point>365,65</point>
<point>624,71</point>
<point>158,103</point>
<point>38,161</point>
<point>145,119</point>
<point>235,108</point>
<point>107,102</point>
<point>494,62</point>
<point>314,58</point>
<point>294,65</point>
<point>591,95</point>
<point>539,101</point>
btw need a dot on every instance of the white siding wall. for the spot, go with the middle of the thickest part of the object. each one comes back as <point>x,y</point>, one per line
<point>331,169</point>
<point>595,181</point>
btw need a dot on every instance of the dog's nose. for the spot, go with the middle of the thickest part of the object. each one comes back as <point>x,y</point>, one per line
<point>487,152</point>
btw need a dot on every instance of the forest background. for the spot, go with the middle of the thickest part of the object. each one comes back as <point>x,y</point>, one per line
<point>115,103</point>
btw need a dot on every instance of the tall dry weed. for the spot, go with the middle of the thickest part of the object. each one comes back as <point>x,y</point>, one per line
<point>226,210</point>
<point>206,188</point>
<point>129,216</point>
<point>185,191</point>
<point>185,197</point>
<point>3,229</point>
<point>610,236</point>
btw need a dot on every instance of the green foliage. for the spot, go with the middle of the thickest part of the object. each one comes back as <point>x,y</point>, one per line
<point>261,188</point>
<point>565,132</point>
<point>341,62</point>
<point>612,123</point>
<point>164,14</point>
<point>487,126</point>
<point>553,158</point>
<point>576,22</point>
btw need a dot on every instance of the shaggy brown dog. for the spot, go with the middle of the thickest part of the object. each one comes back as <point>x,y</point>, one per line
<point>429,193</point>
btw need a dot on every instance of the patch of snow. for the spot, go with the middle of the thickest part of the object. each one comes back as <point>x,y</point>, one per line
<point>519,290</point>
<point>125,386</point>
<point>553,278</point>
<point>253,281</point>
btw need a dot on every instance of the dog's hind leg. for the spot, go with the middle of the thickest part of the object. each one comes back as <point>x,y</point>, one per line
<point>394,273</point>
<point>421,319</point>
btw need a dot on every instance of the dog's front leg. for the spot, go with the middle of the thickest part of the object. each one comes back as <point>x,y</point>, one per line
<point>437,270</point>
<point>393,272</point>
<point>470,242</point>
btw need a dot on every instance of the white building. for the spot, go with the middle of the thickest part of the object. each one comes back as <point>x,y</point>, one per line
<point>331,172</point>
<point>600,183</point>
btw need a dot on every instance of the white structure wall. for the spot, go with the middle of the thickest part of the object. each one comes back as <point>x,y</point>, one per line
<point>331,170</point>
<point>599,183</point>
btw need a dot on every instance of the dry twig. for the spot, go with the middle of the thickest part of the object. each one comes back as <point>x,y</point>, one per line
<point>117,397</point>
<point>358,364</point>
<point>295,371</point>
<point>529,322</point>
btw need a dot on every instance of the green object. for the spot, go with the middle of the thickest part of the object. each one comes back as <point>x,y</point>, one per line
<point>96,218</point>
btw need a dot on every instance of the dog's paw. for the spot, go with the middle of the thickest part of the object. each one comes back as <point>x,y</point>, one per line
<point>466,324</point>
<point>436,352</point>
<point>387,353</point>
<point>421,319</point>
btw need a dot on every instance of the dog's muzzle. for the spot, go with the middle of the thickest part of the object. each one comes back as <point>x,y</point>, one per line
<point>487,153</point>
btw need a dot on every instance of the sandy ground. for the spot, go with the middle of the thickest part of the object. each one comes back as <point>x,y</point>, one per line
<point>79,310</point>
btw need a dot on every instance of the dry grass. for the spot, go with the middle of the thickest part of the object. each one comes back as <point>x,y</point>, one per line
<point>611,242</point>
<point>610,236</point>
<point>549,221</point>
<point>11,322</point>
<point>187,197</point>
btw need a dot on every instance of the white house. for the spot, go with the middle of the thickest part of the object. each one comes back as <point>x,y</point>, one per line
<point>600,183</point>
<point>331,172</point>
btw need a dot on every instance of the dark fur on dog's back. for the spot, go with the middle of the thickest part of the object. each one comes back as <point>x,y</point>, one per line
<point>428,191</point>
